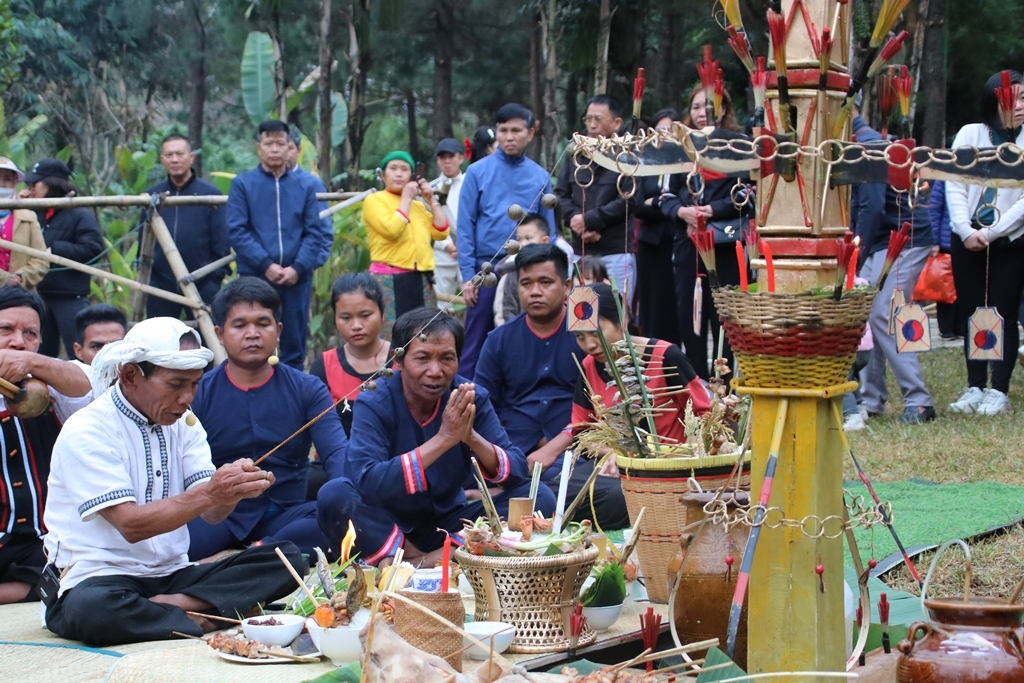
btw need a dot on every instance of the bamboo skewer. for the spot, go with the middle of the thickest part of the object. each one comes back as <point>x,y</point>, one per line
<point>282,655</point>
<point>298,579</point>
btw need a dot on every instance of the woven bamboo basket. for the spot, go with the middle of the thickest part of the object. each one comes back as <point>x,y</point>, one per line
<point>658,484</point>
<point>803,340</point>
<point>423,632</point>
<point>536,594</point>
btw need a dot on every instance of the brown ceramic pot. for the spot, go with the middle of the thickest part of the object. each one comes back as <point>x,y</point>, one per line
<point>705,594</point>
<point>969,642</point>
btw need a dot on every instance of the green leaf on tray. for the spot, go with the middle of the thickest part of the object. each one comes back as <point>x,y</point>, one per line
<point>609,587</point>
<point>716,657</point>
<point>345,674</point>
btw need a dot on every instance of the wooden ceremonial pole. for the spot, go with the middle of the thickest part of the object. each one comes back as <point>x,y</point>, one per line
<point>796,617</point>
<point>96,272</point>
<point>188,288</point>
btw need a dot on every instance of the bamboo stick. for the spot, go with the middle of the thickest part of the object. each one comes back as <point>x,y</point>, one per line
<point>351,201</point>
<point>75,265</point>
<point>146,244</point>
<point>295,575</point>
<point>142,200</point>
<point>189,289</point>
<point>200,273</point>
<point>214,617</point>
<point>450,298</point>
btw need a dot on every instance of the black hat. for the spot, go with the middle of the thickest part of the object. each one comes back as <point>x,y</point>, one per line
<point>48,168</point>
<point>449,146</point>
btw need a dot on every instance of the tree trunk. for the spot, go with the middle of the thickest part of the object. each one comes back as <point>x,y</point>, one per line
<point>667,69</point>
<point>549,127</point>
<point>410,114</point>
<point>604,33</point>
<point>323,142</point>
<point>198,78</point>
<point>917,18</point>
<point>444,52</point>
<point>359,64</point>
<point>536,85</point>
<point>933,75</point>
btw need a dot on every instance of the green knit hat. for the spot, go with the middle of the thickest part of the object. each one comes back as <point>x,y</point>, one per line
<point>398,155</point>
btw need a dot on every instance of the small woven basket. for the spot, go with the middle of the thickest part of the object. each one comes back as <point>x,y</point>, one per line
<point>536,594</point>
<point>803,340</point>
<point>658,484</point>
<point>423,632</point>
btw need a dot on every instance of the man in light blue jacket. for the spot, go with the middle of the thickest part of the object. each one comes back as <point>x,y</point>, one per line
<point>275,229</point>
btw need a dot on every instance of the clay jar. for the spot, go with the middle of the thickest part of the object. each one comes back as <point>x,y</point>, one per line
<point>704,595</point>
<point>970,642</point>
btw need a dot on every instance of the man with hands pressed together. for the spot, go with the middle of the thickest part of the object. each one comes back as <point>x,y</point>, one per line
<point>128,473</point>
<point>410,449</point>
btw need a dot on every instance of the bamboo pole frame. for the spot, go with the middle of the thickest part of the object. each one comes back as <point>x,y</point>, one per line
<point>96,272</point>
<point>141,200</point>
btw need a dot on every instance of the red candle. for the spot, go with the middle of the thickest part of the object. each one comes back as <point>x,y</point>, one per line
<point>446,562</point>
<point>851,267</point>
<point>741,259</point>
<point>766,251</point>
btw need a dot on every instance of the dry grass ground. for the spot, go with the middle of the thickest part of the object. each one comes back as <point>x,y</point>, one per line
<point>954,448</point>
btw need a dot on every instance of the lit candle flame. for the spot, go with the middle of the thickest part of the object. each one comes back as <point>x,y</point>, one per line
<point>348,542</point>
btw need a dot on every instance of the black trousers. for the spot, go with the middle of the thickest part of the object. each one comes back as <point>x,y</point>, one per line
<point>687,270</point>
<point>157,307</point>
<point>655,279</point>
<point>1005,284</point>
<point>22,561</point>
<point>59,324</point>
<point>114,610</point>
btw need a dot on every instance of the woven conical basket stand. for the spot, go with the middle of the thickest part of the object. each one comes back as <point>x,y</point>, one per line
<point>658,484</point>
<point>536,594</point>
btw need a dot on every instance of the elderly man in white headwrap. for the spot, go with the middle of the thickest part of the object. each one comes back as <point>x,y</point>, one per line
<point>128,473</point>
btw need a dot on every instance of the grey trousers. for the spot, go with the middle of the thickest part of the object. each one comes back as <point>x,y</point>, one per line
<point>904,366</point>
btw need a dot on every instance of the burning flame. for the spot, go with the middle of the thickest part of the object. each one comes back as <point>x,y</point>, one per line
<point>348,542</point>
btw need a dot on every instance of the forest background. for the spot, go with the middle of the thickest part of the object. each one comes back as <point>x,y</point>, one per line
<point>100,82</point>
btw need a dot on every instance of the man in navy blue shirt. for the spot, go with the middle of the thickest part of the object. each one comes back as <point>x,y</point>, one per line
<point>530,367</point>
<point>249,407</point>
<point>492,185</point>
<point>198,231</point>
<point>275,228</point>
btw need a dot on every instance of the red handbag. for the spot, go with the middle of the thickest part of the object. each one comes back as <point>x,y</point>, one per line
<point>936,281</point>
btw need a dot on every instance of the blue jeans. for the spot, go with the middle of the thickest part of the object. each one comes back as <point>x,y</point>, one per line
<point>622,271</point>
<point>295,318</point>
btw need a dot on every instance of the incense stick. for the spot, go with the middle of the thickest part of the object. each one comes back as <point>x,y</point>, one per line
<point>493,519</point>
<point>295,575</point>
<point>214,617</point>
<point>570,511</point>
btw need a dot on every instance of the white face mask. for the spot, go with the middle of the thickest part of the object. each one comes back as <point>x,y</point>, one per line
<point>6,192</point>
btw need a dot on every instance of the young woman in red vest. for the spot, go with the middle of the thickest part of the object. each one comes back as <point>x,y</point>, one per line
<point>358,303</point>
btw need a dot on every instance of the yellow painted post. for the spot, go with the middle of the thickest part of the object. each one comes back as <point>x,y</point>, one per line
<point>794,626</point>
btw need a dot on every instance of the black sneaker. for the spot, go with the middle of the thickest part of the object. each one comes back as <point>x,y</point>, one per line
<point>913,415</point>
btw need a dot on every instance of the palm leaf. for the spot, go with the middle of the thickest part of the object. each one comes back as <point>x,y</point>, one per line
<point>258,91</point>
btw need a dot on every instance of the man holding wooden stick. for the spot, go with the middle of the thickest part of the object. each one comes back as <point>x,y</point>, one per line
<point>128,473</point>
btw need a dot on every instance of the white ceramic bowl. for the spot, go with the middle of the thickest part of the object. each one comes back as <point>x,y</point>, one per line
<point>280,636</point>
<point>602,618</point>
<point>484,630</point>
<point>427,580</point>
<point>341,644</point>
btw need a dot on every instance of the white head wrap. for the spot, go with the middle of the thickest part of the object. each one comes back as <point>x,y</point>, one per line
<point>157,341</point>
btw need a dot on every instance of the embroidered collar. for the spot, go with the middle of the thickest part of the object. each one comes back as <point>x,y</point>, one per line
<point>127,409</point>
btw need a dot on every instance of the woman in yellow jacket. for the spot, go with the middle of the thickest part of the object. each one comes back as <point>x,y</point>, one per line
<point>20,226</point>
<point>400,231</point>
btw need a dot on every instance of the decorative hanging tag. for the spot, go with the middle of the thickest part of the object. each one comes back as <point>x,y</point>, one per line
<point>698,304</point>
<point>985,334</point>
<point>897,300</point>
<point>913,332</point>
<point>582,310</point>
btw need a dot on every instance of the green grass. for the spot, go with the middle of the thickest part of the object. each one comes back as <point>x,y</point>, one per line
<point>953,448</point>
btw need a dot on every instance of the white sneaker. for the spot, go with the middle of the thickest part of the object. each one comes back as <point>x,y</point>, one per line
<point>853,422</point>
<point>862,408</point>
<point>995,402</point>
<point>968,401</point>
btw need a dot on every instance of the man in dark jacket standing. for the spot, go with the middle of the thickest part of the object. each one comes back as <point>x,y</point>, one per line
<point>74,234</point>
<point>603,226</point>
<point>198,231</point>
<point>275,229</point>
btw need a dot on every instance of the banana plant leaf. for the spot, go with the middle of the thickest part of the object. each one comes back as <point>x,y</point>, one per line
<point>258,92</point>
